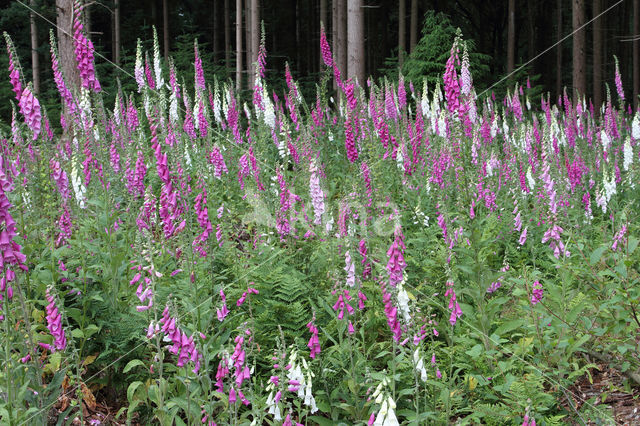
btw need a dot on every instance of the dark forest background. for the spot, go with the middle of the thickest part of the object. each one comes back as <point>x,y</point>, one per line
<point>413,36</point>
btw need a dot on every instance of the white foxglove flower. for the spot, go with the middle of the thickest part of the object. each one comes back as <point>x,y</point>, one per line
<point>628,154</point>
<point>139,68</point>
<point>78,187</point>
<point>635,126</point>
<point>403,301</point>
<point>530,180</point>
<point>606,140</point>
<point>419,362</point>
<point>173,108</point>
<point>156,60</point>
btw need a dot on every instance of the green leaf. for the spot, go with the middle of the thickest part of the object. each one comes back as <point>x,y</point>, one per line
<point>633,244</point>
<point>54,361</point>
<point>322,421</point>
<point>76,333</point>
<point>91,329</point>
<point>475,351</point>
<point>131,364</point>
<point>131,390</point>
<point>154,394</point>
<point>597,254</point>
<point>509,326</point>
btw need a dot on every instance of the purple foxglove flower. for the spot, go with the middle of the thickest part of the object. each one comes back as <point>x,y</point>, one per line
<point>325,49</point>
<point>537,293</point>
<point>30,108</point>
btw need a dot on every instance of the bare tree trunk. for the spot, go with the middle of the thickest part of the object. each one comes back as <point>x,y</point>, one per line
<point>216,30</point>
<point>532,10</point>
<point>579,57</point>
<point>238,45</point>
<point>35,60</point>
<point>341,47</point>
<point>227,35</point>
<point>355,42</point>
<point>165,25</point>
<point>255,32</point>
<point>413,29</point>
<point>247,40</point>
<point>154,14</point>
<point>116,31</point>
<point>559,49</point>
<point>64,22</point>
<point>402,29</point>
<point>298,45</point>
<point>511,37</point>
<point>86,12</point>
<point>597,57</point>
<point>636,52</point>
<point>323,14</point>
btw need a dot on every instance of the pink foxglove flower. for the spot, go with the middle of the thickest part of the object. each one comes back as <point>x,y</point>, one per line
<point>619,238</point>
<point>537,293</point>
<point>618,80</point>
<point>65,94</point>
<point>54,324</point>
<point>314,342</point>
<point>14,68</point>
<point>200,83</point>
<point>456,312</point>
<point>83,48</point>
<point>325,49</point>
<point>183,346</point>
<point>350,140</point>
<point>396,264</point>
<point>223,311</point>
<point>30,108</point>
<point>451,84</point>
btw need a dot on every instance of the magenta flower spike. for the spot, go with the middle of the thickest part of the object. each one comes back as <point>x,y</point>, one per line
<point>396,264</point>
<point>325,49</point>
<point>30,108</point>
<point>54,324</point>
<point>537,293</point>
<point>83,48</point>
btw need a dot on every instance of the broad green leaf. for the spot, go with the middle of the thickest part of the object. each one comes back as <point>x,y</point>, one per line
<point>131,364</point>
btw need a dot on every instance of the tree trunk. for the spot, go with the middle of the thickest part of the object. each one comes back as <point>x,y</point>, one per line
<point>323,14</point>
<point>511,37</point>
<point>238,45</point>
<point>597,57</point>
<point>35,60</point>
<point>116,31</point>
<point>636,52</point>
<point>413,29</point>
<point>154,14</point>
<point>255,33</point>
<point>296,25</point>
<point>86,12</point>
<point>247,40</point>
<point>355,41</point>
<point>342,37</point>
<point>227,35</point>
<point>64,22</point>
<point>579,62</point>
<point>532,10</point>
<point>216,30</point>
<point>402,29</point>
<point>165,25</point>
<point>559,49</point>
